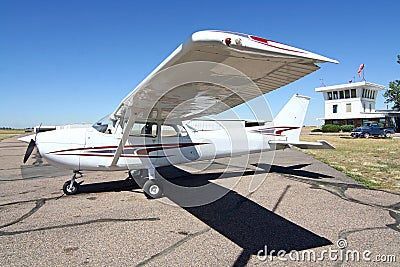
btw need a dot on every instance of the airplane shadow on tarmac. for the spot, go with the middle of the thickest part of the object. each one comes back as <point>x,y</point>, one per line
<point>239,219</point>
<point>292,170</point>
<point>244,222</point>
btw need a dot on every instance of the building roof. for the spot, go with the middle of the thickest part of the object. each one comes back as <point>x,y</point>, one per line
<point>364,84</point>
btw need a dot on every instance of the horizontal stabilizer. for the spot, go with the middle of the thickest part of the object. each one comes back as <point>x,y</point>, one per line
<point>321,144</point>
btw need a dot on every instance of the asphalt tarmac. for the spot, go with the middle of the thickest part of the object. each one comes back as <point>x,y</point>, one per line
<point>302,213</point>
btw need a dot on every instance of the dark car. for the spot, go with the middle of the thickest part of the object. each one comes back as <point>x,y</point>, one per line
<point>372,129</point>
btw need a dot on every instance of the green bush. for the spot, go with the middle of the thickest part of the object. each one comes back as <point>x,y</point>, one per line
<point>330,128</point>
<point>347,128</point>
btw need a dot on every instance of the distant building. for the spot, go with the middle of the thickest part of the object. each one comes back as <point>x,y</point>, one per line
<point>354,103</point>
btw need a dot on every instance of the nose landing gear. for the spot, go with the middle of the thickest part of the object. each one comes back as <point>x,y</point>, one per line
<point>71,187</point>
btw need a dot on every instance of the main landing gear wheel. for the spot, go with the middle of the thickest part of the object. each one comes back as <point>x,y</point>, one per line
<point>152,189</point>
<point>70,189</point>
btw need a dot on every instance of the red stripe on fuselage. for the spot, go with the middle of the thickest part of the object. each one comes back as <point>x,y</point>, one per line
<point>277,130</point>
<point>145,149</point>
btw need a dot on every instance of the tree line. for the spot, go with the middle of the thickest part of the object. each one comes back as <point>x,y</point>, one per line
<point>392,94</point>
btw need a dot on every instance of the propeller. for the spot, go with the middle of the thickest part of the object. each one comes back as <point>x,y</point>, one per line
<point>31,146</point>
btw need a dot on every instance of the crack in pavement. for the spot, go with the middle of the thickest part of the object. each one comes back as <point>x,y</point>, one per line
<point>31,200</point>
<point>173,246</point>
<point>396,216</point>
<point>339,190</point>
<point>344,234</point>
<point>40,203</point>
<point>280,198</point>
<point>105,220</point>
<point>29,178</point>
<point>201,232</point>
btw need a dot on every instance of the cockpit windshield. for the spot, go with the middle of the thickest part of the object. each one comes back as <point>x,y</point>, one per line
<point>104,125</point>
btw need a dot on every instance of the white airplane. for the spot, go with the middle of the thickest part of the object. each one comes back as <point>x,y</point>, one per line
<point>211,72</point>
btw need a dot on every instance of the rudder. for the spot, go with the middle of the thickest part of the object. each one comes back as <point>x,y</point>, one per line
<point>292,117</point>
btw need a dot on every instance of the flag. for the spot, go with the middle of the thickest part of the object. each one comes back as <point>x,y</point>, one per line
<point>360,69</point>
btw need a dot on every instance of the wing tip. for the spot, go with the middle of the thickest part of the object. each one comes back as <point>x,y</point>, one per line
<point>219,36</point>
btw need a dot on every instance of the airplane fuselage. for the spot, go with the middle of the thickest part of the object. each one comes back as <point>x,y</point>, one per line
<point>89,149</point>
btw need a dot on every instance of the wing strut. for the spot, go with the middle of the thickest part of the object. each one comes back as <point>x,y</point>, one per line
<point>124,137</point>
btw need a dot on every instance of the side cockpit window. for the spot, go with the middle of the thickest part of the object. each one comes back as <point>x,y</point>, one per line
<point>104,125</point>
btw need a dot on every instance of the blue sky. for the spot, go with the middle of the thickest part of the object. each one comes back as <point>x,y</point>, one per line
<point>74,61</point>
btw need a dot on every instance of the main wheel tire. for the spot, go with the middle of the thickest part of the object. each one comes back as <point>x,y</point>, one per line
<point>367,135</point>
<point>388,135</point>
<point>152,189</point>
<point>70,190</point>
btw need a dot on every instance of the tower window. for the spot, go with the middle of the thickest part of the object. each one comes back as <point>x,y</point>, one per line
<point>348,107</point>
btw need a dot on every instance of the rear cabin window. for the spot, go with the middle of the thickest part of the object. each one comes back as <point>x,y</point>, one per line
<point>172,131</point>
<point>144,129</point>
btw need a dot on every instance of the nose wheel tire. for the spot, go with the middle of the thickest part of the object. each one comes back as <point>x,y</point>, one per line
<point>70,189</point>
<point>152,189</point>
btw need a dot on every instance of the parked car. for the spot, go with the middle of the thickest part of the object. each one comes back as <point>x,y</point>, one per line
<point>372,129</point>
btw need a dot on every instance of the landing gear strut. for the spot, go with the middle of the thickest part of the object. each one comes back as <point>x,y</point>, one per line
<point>72,187</point>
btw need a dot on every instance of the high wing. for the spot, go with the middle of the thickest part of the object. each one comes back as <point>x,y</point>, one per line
<point>211,72</point>
<point>214,71</point>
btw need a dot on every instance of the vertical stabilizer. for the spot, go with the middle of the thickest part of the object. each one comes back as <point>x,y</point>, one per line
<point>291,118</point>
